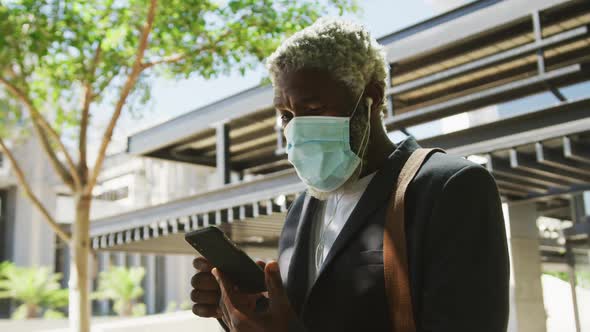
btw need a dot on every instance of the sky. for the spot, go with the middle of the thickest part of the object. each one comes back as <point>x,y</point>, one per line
<point>173,98</point>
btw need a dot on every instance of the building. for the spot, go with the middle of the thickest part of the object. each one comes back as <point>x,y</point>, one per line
<point>126,183</point>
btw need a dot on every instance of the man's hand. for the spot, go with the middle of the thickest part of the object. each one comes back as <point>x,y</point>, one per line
<point>206,293</point>
<point>238,311</point>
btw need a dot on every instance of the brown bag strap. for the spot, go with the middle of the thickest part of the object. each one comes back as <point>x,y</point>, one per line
<point>395,264</point>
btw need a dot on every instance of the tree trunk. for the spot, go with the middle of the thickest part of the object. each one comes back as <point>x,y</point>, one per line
<point>126,309</point>
<point>79,307</point>
<point>32,310</point>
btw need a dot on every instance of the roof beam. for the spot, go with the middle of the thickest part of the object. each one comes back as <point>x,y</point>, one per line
<point>556,121</point>
<point>490,60</point>
<point>430,36</point>
<point>527,163</point>
<point>554,159</point>
<point>474,100</point>
<point>502,167</point>
<point>576,151</point>
<point>177,130</point>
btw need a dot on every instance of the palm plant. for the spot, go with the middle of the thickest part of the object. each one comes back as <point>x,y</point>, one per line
<point>36,288</point>
<point>123,286</point>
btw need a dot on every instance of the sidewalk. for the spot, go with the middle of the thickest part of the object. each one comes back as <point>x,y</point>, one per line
<point>180,321</point>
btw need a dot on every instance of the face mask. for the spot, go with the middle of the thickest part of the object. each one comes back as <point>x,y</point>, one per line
<point>319,149</point>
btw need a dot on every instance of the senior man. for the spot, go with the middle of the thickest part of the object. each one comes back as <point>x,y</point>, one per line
<point>329,85</point>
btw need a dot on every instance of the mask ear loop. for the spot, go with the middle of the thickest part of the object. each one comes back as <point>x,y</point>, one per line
<point>357,103</point>
<point>364,143</point>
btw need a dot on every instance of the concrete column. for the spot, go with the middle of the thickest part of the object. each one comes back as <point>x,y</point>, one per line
<point>104,262</point>
<point>134,260</point>
<point>150,283</point>
<point>121,259</point>
<point>527,310</point>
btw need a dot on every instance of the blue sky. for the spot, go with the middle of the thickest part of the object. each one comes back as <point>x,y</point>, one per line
<point>172,98</point>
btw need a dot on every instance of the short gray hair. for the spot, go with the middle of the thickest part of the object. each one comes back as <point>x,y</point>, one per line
<point>343,48</point>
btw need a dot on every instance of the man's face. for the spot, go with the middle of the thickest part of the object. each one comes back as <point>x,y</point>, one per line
<point>308,92</point>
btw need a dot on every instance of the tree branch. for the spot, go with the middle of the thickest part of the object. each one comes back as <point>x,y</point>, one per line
<point>36,116</point>
<point>129,83</point>
<point>36,202</point>
<point>88,96</point>
<point>57,165</point>
<point>179,57</point>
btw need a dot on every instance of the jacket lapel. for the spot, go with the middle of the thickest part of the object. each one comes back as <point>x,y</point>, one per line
<point>378,190</point>
<point>298,268</point>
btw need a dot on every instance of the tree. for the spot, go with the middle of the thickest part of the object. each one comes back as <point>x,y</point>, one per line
<point>63,62</point>
<point>35,288</point>
<point>123,286</point>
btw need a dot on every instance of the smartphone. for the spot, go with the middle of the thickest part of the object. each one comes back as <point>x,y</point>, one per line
<point>212,243</point>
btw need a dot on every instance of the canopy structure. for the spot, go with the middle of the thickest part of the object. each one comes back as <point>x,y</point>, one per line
<point>484,53</point>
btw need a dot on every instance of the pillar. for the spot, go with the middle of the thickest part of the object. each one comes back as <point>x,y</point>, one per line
<point>527,310</point>
<point>150,283</point>
<point>222,153</point>
<point>104,263</point>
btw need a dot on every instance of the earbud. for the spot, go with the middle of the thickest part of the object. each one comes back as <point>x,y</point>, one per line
<point>369,101</point>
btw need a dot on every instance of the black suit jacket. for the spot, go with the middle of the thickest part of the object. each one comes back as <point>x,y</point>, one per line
<point>457,253</point>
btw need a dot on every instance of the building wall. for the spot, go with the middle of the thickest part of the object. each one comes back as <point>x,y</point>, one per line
<point>149,182</point>
<point>30,241</point>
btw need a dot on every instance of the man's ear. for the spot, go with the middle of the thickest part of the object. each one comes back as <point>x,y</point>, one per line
<point>376,91</point>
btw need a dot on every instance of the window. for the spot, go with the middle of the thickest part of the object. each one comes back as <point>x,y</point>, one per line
<point>114,194</point>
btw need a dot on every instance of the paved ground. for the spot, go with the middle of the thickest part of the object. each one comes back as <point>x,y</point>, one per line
<point>182,321</point>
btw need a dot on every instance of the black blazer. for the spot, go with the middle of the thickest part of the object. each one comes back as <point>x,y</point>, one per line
<point>457,253</point>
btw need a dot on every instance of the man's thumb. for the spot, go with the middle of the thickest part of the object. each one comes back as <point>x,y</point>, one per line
<point>276,291</point>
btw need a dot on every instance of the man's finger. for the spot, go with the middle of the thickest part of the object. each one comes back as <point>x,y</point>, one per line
<point>205,297</point>
<point>202,264</point>
<point>204,310</point>
<point>204,281</point>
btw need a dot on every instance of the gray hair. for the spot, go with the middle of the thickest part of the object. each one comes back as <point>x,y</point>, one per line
<point>343,48</point>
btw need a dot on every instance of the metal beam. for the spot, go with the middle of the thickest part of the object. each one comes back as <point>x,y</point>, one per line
<point>519,183</point>
<point>538,38</point>
<point>502,167</point>
<point>528,163</point>
<point>491,60</point>
<point>474,100</point>
<point>576,151</point>
<point>237,143</point>
<point>527,128</point>
<point>185,155</point>
<point>403,45</point>
<point>528,137</point>
<point>554,159</point>
<point>554,193</point>
<point>179,129</point>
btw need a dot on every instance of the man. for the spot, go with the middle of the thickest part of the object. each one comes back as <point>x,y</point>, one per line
<point>329,82</point>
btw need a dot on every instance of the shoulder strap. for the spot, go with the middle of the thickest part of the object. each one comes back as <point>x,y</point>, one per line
<point>395,264</point>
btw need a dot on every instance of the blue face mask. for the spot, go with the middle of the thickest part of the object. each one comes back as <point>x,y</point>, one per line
<point>319,149</point>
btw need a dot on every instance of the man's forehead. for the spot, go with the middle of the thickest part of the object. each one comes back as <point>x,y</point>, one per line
<point>307,85</point>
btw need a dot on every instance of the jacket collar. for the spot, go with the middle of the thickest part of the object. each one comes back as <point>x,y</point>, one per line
<point>378,191</point>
